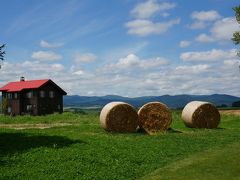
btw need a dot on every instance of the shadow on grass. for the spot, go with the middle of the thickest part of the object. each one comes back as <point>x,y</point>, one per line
<point>171,130</point>
<point>220,128</point>
<point>19,142</point>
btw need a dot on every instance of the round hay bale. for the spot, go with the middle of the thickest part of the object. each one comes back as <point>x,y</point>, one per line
<point>119,117</point>
<point>199,114</point>
<point>154,117</point>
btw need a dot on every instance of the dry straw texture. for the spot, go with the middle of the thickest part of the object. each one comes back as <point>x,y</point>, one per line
<point>198,114</point>
<point>119,117</point>
<point>154,117</point>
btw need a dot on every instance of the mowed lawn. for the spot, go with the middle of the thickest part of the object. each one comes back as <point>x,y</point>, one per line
<point>76,147</point>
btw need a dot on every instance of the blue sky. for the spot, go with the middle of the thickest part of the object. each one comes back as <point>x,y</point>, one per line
<point>124,47</point>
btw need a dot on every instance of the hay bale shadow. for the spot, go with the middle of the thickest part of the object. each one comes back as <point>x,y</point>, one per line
<point>141,131</point>
<point>220,128</point>
<point>171,130</point>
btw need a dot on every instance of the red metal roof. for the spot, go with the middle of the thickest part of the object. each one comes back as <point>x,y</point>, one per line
<point>21,85</point>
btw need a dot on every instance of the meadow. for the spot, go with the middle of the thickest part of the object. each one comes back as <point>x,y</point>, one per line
<point>74,146</point>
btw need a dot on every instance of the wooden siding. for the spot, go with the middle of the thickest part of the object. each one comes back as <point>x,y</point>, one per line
<point>47,104</point>
<point>25,101</point>
<point>13,103</point>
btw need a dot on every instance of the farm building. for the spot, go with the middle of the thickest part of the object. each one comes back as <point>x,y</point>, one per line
<point>35,97</point>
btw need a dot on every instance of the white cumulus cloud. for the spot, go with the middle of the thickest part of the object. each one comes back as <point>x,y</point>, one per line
<point>211,15</point>
<point>204,38</point>
<point>129,61</point>
<point>41,67</point>
<point>46,56</point>
<point>212,55</point>
<point>147,9</point>
<point>202,19</point>
<point>46,44</point>
<point>132,61</point>
<point>201,78</point>
<point>79,72</point>
<point>142,27</point>
<point>198,25</point>
<point>184,44</point>
<point>196,69</point>
<point>221,30</point>
<point>85,58</point>
<point>224,28</point>
<point>232,62</point>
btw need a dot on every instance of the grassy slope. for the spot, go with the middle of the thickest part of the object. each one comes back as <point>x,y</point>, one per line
<point>85,151</point>
<point>219,163</point>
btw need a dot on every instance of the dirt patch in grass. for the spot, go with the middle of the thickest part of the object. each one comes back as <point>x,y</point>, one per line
<point>33,126</point>
<point>231,112</point>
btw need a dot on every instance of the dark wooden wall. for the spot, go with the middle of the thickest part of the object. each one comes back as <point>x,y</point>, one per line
<point>29,101</point>
<point>40,105</point>
<point>14,103</point>
<point>47,104</point>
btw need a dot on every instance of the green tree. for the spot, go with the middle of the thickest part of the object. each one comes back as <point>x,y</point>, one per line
<point>236,104</point>
<point>4,105</point>
<point>236,35</point>
<point>2,53</point>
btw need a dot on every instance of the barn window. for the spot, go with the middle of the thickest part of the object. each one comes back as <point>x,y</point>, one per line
<point>29,94</point>
<point>9,95</point>
<point>42,94</point>
<point>15,95</point>
<point>29,107</point>
<point>9,109</point>
<point>51,94</point>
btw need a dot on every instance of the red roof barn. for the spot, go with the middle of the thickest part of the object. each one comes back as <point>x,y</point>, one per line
<point>36,97</point>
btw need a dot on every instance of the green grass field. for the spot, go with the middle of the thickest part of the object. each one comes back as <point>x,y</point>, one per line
<point>83,150</point>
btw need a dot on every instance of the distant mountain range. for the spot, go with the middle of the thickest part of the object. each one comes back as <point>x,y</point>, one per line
<point>177,101</point>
